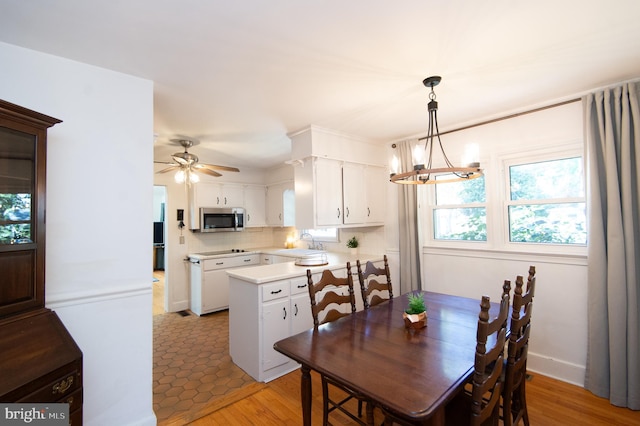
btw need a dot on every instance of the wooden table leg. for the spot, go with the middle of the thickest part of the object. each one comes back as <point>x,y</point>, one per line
<point>305,392</point>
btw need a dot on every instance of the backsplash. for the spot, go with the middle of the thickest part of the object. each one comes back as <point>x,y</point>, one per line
<point>371,240</point>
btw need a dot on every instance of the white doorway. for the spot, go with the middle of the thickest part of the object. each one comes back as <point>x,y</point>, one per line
<point>159,252</point>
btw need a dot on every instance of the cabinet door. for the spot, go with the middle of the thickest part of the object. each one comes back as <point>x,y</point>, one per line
<point>353,193</point>
<point>255,200</point>
<point>275,326</point>
<point>301,318</point>
<point>232,196</point>
<point>328,185</point>
<point>215,291</point>
<point>376,182</point>
<point>281,204</point>
<point>207,194</point>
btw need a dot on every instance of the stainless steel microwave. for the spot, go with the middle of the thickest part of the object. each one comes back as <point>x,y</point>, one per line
<point>215,219</point>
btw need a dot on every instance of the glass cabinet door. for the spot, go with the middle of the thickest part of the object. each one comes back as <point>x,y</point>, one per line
<point>17,156</point>
<point>23,150</point>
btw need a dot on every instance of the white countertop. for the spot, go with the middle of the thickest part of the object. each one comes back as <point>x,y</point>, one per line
<point>293,253</point>
<point>280,271</point>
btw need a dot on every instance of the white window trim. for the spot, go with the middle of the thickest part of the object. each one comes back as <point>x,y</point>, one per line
<point>570,150</point>
<point>497,196</point>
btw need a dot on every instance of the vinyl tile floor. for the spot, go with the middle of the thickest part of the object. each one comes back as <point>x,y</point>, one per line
<point>191,363</point>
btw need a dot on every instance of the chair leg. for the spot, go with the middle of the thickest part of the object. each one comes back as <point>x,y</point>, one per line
<point>523,404</point>
<point>325,403</point>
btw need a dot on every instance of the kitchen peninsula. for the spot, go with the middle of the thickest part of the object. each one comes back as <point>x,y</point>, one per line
<point>271,302</point>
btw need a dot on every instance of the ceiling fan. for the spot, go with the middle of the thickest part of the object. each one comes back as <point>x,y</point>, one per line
<point>187,164</point>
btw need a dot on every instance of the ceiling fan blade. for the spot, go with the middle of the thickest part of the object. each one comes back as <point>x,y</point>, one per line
<point>208,172</point>
<point>216,167</point>
<point>180,160</point>
<point>170,168</point>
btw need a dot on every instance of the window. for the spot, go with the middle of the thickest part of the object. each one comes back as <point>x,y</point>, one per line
<point>546,202</point>
<point>460,212</point>
<point>327,234</point>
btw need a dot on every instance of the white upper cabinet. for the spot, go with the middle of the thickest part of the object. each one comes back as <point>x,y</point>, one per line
<point>376,180</point>
<point>255,198</point>
<point>328,193</point>
<point>354,189</point>
<point>218,195</point>
<point>281,204</point>
<point>332,193</point>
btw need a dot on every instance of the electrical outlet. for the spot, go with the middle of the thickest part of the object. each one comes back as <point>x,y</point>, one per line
<point>181,239</point>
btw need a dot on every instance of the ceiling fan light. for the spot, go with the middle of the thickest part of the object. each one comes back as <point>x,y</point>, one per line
<point>179,177</point>
<point>193,178</point>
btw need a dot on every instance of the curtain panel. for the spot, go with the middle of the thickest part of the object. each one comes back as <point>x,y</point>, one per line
<point>409,228</point>
<point>612,132</point>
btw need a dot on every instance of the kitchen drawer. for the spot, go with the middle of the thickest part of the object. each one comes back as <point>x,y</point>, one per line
<point>247,260</point>
<point>219,263</point>
<point>275,290</point>
<point>299,285</point>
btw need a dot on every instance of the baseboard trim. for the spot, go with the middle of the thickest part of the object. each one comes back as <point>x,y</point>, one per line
<point>557,369</point>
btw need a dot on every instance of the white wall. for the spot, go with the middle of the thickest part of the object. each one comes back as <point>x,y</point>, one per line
<point>558,335</point>
<point>99,210</point>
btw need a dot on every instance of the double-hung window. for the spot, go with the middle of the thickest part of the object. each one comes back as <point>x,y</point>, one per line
<point>460,211</point>
<point>546,201</point>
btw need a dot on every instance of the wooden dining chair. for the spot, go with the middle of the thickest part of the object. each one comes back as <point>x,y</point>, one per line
<point>375,283</point>
<point>514,403</point>
<point>333,298</point>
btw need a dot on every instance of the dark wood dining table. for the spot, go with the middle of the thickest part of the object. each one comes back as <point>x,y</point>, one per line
<point>413,373</point>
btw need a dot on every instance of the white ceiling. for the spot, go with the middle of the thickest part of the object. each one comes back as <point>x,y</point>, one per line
<point>238,76</point>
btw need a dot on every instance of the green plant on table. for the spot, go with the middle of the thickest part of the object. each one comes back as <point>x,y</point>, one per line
<point>416,304</point>
<point>353,242</point>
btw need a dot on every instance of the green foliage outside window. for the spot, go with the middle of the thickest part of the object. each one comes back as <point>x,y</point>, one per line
<point>461,223</point>
<point>550,216</point>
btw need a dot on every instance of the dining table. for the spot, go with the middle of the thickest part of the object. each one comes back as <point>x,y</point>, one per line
<point>412,373</point>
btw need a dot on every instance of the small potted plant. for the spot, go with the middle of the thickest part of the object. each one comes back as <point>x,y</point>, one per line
<point>352,243</point>
<point>415,316</point>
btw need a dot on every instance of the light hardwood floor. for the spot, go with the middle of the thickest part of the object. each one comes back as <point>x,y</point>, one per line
<point>551,402</point>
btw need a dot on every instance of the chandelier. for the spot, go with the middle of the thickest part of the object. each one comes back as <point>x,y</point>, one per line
<point>426,173</point>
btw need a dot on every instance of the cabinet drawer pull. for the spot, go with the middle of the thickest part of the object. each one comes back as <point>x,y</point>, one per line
<point>247,260</point>
<point>302,286</point>
<point>219,263</point>
<point>276,292</point>
<point>296,306</point>
<point>62,386</point>
<point>284,311</point>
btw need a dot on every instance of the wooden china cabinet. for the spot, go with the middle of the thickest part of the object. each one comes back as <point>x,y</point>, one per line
<point>39,360</point>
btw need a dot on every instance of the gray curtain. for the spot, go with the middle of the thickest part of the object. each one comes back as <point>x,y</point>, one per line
<point>410,247</point>
<point>612,130</point>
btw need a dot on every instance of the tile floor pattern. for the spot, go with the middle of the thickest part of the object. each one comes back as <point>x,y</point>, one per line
<point>191,363</point>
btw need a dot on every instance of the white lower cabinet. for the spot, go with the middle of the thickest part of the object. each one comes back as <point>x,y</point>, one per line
<point>259,316</point>
<point>210,282</point>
